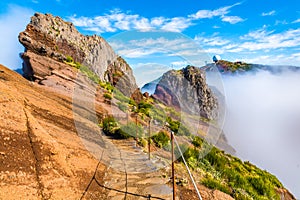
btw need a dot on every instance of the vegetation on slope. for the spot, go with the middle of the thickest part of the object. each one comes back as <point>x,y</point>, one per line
<point>242,180</point>
<point>218,170</point>
<point>227,66</point>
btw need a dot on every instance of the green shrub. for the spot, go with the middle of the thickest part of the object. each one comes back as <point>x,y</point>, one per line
<point>234,178</point>
<point>142,142</point>
<point>90,74</point>
<point>130,130</point>
<point>161,139</point>
<point>122,106</point>
<point>191,156</point>
<point>84,69</point>
<point>215,184</point>
<point>178,128</point>
<point>216,160</point>
<point>107,86</point>
<point>132,102</point>
<point>144,105</point>
<point>69,59</point>
<point>77,65</point>
<point>109,125</point>
<point>197,141</point>
<point>173,125</point>
<point>122,134</point>
<point>120,96</point>
<point>157,114</point>
<point>144,111</point>
<point>107,96</point>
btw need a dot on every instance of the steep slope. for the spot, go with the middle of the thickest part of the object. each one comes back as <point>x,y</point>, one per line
<point>41,155</point>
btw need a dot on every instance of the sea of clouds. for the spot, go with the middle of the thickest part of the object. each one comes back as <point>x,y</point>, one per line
<point>263,121</point>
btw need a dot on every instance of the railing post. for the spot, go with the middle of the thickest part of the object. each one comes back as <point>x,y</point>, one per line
<point>173,170</point>
<point>136,129</point>
<point>149,138</point>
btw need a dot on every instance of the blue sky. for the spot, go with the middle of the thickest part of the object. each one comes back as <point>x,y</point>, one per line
<point>255,31</point>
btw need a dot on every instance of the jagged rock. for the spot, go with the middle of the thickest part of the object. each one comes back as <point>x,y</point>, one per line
<point>186,89</point>
<point>55,40</point>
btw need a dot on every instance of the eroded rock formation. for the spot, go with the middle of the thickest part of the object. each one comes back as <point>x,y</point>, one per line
<point>56,40</point>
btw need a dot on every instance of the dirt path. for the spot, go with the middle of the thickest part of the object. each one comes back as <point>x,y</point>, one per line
<point>129,175</point>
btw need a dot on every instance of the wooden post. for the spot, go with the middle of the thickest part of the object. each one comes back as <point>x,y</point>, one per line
<point>136,129</point>
<point>173,160</point>
<point>149,137</point>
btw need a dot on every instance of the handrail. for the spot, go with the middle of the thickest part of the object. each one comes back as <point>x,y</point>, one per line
<point>190,174</point>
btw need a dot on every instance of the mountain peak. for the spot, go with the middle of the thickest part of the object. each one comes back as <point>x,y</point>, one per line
<point>181,88</point>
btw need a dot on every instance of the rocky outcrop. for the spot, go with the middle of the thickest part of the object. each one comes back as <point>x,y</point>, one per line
<point>186,89</point>
<point>57,40</point>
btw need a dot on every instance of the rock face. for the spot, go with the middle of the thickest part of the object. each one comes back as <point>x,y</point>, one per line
<point>57,40</point>
<point>187,90</point>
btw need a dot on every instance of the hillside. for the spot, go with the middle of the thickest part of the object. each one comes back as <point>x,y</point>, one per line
<point>41,155</point>
<point>69,130</point>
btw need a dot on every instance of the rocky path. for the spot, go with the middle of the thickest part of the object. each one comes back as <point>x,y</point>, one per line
<point>130,175</point>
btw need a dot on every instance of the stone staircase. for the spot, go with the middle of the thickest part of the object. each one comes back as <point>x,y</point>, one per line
<point>131,175</point>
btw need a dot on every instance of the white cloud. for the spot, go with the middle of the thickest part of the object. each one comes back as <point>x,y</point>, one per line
<point>116,20</point>
<point>177,24</point>
<point>164,49</point>
<point>257,34</point>
<point>179,64</point>
<point>271,13</point>
<point>204,14</point>
<point>142,24</point>
<point>149,46</point>
<point>271,40</point>
<point>211,41</point>
<point>232,19</point>
<point>137,52</point>
<point>215,50</point>
<point>112,22</point>
<point>257,46</point>
<point>157,21</point>
<point>11,24</point>
<point>281,22</point>
<point>296,21</point>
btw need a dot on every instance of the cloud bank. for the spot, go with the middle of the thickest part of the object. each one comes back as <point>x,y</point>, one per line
<point>262,122</point>
<point>11,24</point>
